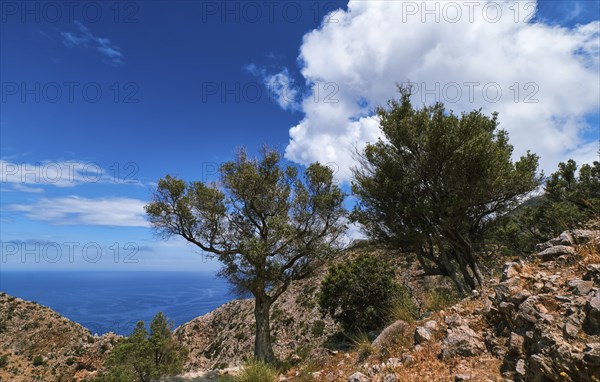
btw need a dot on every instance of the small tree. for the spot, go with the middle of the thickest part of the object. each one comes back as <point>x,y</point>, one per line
<point>266,225</point>
<point>436,183</point>
<point>359,293</point>
<point>143,356</point>
<point>571,199</point>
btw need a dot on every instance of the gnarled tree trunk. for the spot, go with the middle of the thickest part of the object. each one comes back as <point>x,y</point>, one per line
<point>263,349</point>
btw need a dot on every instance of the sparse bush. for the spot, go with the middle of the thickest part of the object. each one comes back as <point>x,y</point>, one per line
<point>3,361</point>
<point>440,298</point>
<point>318,328</point>
<point>363,345</point>
<point>403,308</point>
<point>38,360</point>
<point>257,371</point>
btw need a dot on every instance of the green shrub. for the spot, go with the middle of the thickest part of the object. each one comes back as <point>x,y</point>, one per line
<point>570,200</point>
<point>3,361</point>
<point>144,355</point>
<point>38,360</point>
<point>318,328</point>
<point>358,293</point>
<point>257,371</point>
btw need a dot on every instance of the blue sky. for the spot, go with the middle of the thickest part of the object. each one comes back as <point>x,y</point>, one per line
<point>115,98</point>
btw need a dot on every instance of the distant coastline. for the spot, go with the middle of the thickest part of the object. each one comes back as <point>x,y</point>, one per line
<point>113,301</point>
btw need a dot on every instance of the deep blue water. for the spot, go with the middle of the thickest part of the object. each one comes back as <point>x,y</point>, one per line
<point>115,301</point>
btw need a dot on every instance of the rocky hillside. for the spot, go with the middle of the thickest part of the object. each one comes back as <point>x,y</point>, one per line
<point>38,344</point>
<point>225,337</point>
<point>540,321</point>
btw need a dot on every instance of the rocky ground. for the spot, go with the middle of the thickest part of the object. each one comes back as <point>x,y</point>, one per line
<point>540,321</point>
<point>38,344</point>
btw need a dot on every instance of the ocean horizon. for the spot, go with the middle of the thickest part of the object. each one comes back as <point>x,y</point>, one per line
<point>114,301</point>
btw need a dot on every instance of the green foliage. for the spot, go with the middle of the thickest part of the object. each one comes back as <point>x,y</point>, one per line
<point>362,345</point>
<point>439,299</point>
<point>145,356</point>
<point>570,199</point>
<point>267,225</point>
<point>3,361</point>
<point>318,328</point>
<point>38,360</point>
<point>435,184</point>
<point>257,371</point>
<point>358,293</point>
<point>403,308</point>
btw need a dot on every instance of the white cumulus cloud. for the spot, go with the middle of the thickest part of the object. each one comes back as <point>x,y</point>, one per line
<point>542,79</point>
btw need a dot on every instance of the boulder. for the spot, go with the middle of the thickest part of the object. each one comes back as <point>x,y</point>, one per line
<point>581,287</point>
<point>462,341</point>
<point>592,317</point>
<point>539,369</point>
<point>422,335</point>
<point>583,236</point>
<point>566,238</point>
<point>520,369</point>
<point>592,273</point>
<point>556,251</point>
<point>591,354</point>
<point>515,344</point>
<point>511,269</point>
<point>520,296</point>
<point>462,377</point>
<point>431,325</point>
<point>390,333</point>
<point>358,377</point>
<point>453,321</point>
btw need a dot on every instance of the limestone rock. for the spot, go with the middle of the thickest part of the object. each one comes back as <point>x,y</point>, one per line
<point>462,341</point>
<point>583,236</point>
<point>422,335</point>
<point>358,377</point>
<point>556,251</point>
<point>511,269</point>
<point>592,318</point>
<point>431,325</point>
<point>390,333</point>
<point>591,354</point>
<point>520,369</point>
<point>581,287</point>
<point>515,344</point>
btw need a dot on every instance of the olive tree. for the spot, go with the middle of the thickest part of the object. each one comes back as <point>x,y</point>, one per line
<point>436,182</point>
<point>265,222</point>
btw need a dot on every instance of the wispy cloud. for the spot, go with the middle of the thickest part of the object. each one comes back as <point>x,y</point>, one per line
<point>24,176</point>
<point>115,211</point>
<point>24,188</point>
<point>83,38</point>
<point>281,86</point>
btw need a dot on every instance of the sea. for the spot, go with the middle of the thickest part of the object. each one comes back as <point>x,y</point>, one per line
<point>115,301</point>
